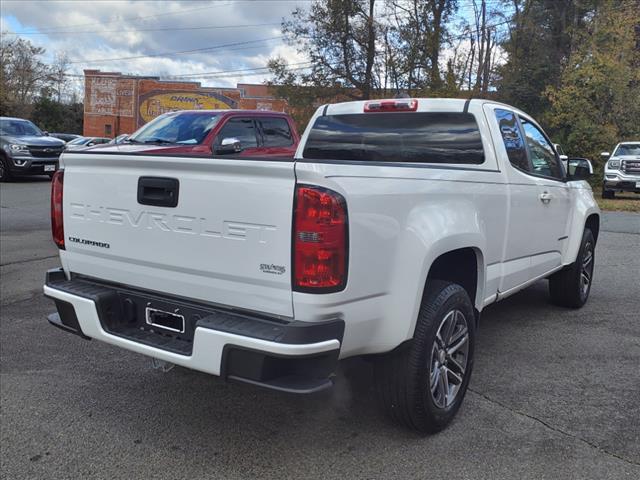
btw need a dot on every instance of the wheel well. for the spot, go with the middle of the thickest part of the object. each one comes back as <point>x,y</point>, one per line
<point>457,266</point>
<point>593,224</point>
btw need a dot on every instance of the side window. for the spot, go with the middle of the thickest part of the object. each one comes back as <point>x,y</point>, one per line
<point>512,138</point>
<point>241,128</point>
<point>543,158</point>
<point>276,132</point>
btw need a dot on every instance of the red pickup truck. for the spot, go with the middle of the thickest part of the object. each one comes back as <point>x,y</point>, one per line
<point>246,133</point>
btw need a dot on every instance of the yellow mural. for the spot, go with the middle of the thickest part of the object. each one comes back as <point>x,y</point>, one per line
<point>161,103</point>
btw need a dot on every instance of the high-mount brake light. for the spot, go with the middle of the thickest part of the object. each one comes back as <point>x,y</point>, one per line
<point>320,240</point>
<point>57,225</point>
<point>399,105</point>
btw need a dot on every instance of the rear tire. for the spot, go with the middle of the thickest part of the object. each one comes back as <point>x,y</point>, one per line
<point>570,287</point>
<point>422,384</point>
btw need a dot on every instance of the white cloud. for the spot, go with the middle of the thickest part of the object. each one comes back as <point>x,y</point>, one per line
<point>132,28</point>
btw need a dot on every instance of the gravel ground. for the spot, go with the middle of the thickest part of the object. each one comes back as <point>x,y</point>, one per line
<point>554,394</point>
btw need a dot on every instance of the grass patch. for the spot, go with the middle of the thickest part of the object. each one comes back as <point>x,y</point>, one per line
<point>624,202</point>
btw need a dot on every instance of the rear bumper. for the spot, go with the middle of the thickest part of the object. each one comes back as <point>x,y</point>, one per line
<point>292,356</point>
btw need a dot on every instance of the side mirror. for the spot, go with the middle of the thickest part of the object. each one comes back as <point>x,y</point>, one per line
<point>228,146</point>
<point>605,154</point>
<point>45,133</point>
<point>579,169</point>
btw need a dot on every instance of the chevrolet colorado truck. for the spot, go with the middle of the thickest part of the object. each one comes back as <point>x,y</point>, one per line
<point>396,223</point>
<point>26,150</point>
<point>622,170</point>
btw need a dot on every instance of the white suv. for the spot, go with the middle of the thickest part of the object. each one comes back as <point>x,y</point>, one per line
<point>622,170</point>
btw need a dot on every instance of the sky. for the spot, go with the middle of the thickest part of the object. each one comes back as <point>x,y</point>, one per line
<point>216,42</point>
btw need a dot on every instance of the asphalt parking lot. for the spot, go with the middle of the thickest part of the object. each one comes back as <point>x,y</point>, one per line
<point>555,392</point>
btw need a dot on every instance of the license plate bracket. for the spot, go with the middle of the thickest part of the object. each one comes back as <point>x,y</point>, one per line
<point>173,322</point>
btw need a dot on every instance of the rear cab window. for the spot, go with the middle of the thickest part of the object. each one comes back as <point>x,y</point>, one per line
<point>397,137</point>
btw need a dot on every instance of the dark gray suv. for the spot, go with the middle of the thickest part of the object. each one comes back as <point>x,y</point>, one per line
<point>26,150</point>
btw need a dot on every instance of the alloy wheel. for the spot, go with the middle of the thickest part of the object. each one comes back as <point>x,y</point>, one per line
<point>449,358</point>
<point>586,272</point>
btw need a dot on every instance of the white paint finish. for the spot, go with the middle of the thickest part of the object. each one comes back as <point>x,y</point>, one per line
<point>208,344</point>
<point>401,219</point>
<point>232,216</point>
<point>584,206</point>
<point>539,209</point>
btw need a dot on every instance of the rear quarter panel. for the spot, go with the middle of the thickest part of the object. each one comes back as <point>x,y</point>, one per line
<point>401,218</point>
<point>400,221</point>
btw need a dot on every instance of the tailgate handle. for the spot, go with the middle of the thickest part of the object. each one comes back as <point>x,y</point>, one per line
<point>158,191</point>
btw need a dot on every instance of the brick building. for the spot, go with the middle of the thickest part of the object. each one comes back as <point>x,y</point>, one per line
<point>116,103</point>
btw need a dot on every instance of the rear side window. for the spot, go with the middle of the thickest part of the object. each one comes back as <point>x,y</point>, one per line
<point>276,132</point>
<point>513,140</point>
<point>241,128</point>
<point>396,137</point>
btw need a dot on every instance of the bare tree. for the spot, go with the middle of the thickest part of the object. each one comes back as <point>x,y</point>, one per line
<point>340,39</point>
<point>24,75</point>
<point>421,35</point>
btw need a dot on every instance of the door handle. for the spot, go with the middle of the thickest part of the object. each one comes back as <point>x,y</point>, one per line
<point>545,197</point>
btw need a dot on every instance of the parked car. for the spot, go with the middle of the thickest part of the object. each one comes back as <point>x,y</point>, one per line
<point>119,139</point>
<point>66,137</point>
<point>221,132</point>
<point>396,223</point>
<point>622,170</point>
<point>26,150</point>
<point>85,142</point>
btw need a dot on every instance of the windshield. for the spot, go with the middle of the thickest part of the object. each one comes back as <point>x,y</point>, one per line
<point>19,128</point>
<point>187,128</point>
<point>627,149</point>
<point>79,141</point>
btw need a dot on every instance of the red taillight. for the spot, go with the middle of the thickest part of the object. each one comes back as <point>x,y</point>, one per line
<point>319,240</point>
<point>402,105</point>
<point>57,226</point>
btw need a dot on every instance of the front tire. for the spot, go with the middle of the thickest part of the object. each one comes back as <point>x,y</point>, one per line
<point>423,383</point>
<point>570,287</point>
<point>5,173</point>
<point>608,193</point>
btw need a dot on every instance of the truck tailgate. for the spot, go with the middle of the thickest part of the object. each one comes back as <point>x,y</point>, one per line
<point>227,240</point>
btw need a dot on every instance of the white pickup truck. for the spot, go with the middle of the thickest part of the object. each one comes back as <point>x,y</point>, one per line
<point>395,225</point>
